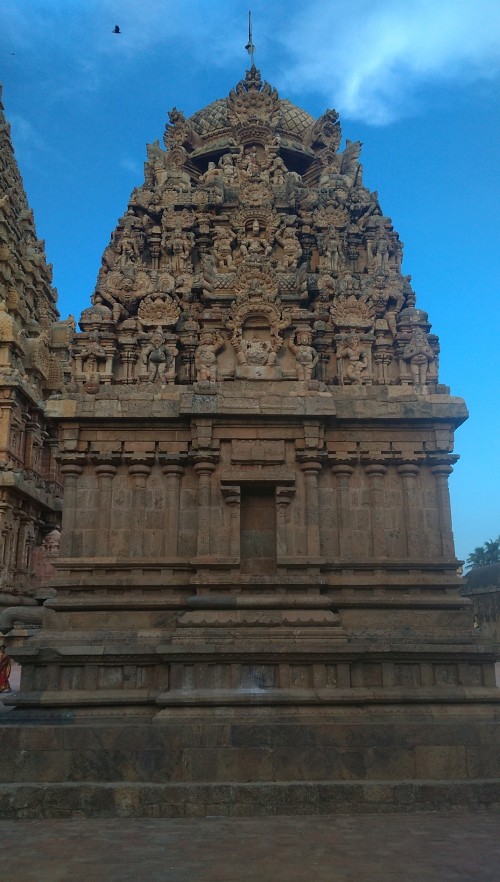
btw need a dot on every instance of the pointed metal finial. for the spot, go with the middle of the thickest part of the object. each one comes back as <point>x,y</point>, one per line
<point>250,46</point>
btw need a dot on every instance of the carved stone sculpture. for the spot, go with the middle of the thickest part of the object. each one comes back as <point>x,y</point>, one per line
<point>419,355</point>
<point>205,359</point>
<point>159,357</point>
<point>305,356</point>
<point>353,359</point>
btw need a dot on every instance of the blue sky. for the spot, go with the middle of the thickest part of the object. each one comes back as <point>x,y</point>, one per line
<point>417,81</point>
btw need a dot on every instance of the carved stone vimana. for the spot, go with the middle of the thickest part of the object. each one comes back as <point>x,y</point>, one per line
<point>256,532</point>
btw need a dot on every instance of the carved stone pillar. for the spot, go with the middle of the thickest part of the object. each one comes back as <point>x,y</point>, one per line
<point>232,498</point>
<point>9,542</point>
<point>203,469</point>
<point>128,358</point>
<point>375,472</point>
<point>105,473</point>
<point>173,473</point>
<point>343,472</point>
<point>29,440</point>
<point>311,468</point>
<point>441,472</point>
<point>22,534</point>
<point>139,472</point>
<point>411,506</point>
<point>283,498</point>
<point>70,472</point>
<point>6,509</point>
<point>107,375</point>
<point>52,473</point>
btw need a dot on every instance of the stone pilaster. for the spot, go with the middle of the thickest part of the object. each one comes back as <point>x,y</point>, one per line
<point>173,472</point>
<point>441,471</point>
<point>375,472</point>
<point>310,469</point>
<point>22,534</point>
<point>70,472</point>
<point>105,473</point>
<point>343,472</point>
<point>203,468</point>
<point>53,447</point>
<point>29,440</point>
<point>411,507</point>
<point>139,472</point>
<point>284,496</point>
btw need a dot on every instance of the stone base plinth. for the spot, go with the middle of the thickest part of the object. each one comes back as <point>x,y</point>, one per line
<point>249,762</point>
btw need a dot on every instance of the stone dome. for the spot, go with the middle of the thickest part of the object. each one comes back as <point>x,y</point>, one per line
<point>212,121</point>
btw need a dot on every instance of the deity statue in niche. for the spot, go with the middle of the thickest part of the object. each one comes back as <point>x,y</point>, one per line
<point>127,248</point>
<point>255,351</point>
<point>213,181</point>
<point>249,165</point>
<point>51,543</point>
<point>227,167</point>
<point>156,171</point>
<point>418,353</point>
<point>159,357</point>
<point>306,356</point>
<point>254,243</point>
<point>223,250</point>
<point>329,250</point>
<point>291,247</point>
<point>41,568</point>
<point>91,353</point>
<point>178,246</point>
<point>205,357</point>
<point>353,360</point>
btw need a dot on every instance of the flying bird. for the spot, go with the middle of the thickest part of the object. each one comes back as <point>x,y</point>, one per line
<point>116,30</point>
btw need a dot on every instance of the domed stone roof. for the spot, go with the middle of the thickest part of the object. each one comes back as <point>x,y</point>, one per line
<point>213,120</point>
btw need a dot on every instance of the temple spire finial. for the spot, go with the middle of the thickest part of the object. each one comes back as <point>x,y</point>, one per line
<point>250,46</point>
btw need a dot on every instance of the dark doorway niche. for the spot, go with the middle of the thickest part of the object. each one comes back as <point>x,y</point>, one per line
<point>258,529</point>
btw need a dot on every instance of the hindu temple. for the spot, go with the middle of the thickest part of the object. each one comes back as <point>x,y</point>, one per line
<point>252,604</point>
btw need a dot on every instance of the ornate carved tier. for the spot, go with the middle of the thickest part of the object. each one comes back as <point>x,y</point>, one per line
<point>253,194</point>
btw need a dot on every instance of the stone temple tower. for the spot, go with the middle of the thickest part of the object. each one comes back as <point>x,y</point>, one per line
<point>256,598</point>
<point>33,358</point>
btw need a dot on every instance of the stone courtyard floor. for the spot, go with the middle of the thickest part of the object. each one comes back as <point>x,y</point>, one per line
<point>444,847</point>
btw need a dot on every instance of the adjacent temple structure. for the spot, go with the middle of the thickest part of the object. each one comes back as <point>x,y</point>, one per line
<point>34,354</point>
<point>255,599</point>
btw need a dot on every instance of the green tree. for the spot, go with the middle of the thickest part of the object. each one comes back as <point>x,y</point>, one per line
<point>489,553</point>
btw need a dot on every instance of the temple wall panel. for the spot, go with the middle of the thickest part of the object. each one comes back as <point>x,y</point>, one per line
<point>351,505</point>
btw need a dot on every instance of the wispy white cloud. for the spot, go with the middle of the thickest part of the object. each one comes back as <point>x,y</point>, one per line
<point>369,57</point>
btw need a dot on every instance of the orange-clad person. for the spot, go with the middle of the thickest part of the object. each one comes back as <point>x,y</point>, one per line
<point>5,668</point>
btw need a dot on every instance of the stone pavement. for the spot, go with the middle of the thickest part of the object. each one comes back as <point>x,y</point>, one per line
<point>444,847</point>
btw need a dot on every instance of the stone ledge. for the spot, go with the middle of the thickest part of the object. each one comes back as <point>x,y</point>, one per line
<point>272,697</point>
<point>155,644</point>
<point>135,800</point>
<point>317,697</point>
